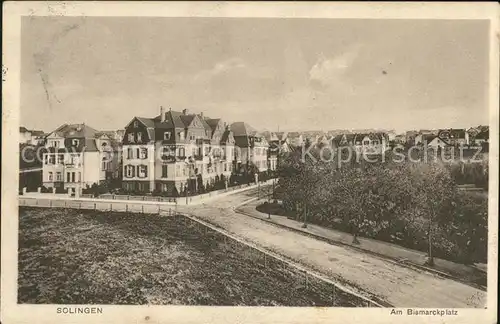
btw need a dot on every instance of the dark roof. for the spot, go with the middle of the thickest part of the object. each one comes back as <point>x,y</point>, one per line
<point>212,122</point>
<point>242,129</point>
<point>23,129</point>
<point>37,133</point>
<point>187,119</point>
<point>483,135</point>
<point>454,133</point>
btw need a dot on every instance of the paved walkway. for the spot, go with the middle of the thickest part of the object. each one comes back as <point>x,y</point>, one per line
<point>468,274</point>
<point>397,285</point>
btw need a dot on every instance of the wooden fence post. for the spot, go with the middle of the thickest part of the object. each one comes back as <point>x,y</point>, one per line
<point>143,209</point>
<point>126,208</point>
<point>95,206</point>
<point>110,206</point>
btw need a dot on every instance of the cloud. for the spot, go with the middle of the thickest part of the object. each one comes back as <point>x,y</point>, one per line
<point>220,68</point>
<point>328,72</point>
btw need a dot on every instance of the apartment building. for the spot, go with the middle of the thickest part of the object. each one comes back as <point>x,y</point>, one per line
<point>252,149</point>
<point>176,151</point>
<point>78,156</point>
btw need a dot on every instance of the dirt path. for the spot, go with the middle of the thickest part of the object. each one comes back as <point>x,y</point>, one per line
<point>398,285</point>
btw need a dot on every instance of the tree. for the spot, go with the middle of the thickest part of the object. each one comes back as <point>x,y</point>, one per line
<point>435,195</point>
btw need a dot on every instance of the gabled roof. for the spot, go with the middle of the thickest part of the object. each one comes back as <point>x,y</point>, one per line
<point>242,129</point>
<point>75,130</point>
<point>212,122</point>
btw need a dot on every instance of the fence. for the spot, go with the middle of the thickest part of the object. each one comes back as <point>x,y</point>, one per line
<point>118,206</point>
<point>311,279</point>
<point>177,199</point>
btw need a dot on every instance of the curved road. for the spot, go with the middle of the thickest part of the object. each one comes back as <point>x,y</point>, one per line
<point>399,286</point>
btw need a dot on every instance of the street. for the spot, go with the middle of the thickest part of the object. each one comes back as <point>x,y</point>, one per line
<point>397,285</point>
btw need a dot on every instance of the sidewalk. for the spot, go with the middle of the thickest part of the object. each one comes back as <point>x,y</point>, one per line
<point>403,256</point>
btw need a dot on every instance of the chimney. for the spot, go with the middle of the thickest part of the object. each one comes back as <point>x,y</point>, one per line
<point>162,114</point>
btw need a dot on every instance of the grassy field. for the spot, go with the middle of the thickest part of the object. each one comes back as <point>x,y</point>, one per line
<point>86,257</point>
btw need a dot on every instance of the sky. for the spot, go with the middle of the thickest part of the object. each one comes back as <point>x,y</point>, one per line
<point>291,74</point>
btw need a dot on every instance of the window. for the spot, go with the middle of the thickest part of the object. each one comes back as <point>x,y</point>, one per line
<point>72,176</point>
<point>144,153</point>
<point>136,124</point>
<point>131,137</point>
<point>166,136</point>
<point>142,171</point>
<point>164,187</point>
<point>182,151</point>
<point>104,164</point>
<point>366,142</point>
<point>139,137</point>
<point>225,167</point>
<point>164,171</point>
<point>130,153</point>
<point>181,136</point>
<point>60,158</point>
<point>184,171</point>
<point>177,170</point>
<point>58,176</point>
<point>79,177</point>
<point>192,137</point>
<point>50,176</point>
<point>168,151</point>
<point>68,176</point>
<point>52,159</point>
<point>129,171</point>
<point>193,151</point>
<point>75,142</point>
<point>137,152</point>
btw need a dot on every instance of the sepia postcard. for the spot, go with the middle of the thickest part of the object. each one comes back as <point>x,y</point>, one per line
<point>249,162</point>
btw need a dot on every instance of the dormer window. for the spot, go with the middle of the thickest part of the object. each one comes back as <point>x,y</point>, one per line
<point>139,137</point>
<point>75,142</point>
<point>181,136</point>
<point>167,135</point>
<point>136,124</point>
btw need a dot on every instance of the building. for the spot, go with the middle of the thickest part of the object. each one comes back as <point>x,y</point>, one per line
<point>478,135</point>
<point>436,142</point>
<point>454,137</point>
<point>424,136</point>
<point>78,156</point>
<point>371,143</point>
<point>33,137</point>
<point>252,149</point>
<point>176,152</point>
<point>295,139</point>
<point>410,137</point>
<point>482,137</point>
<point>24,135</point>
